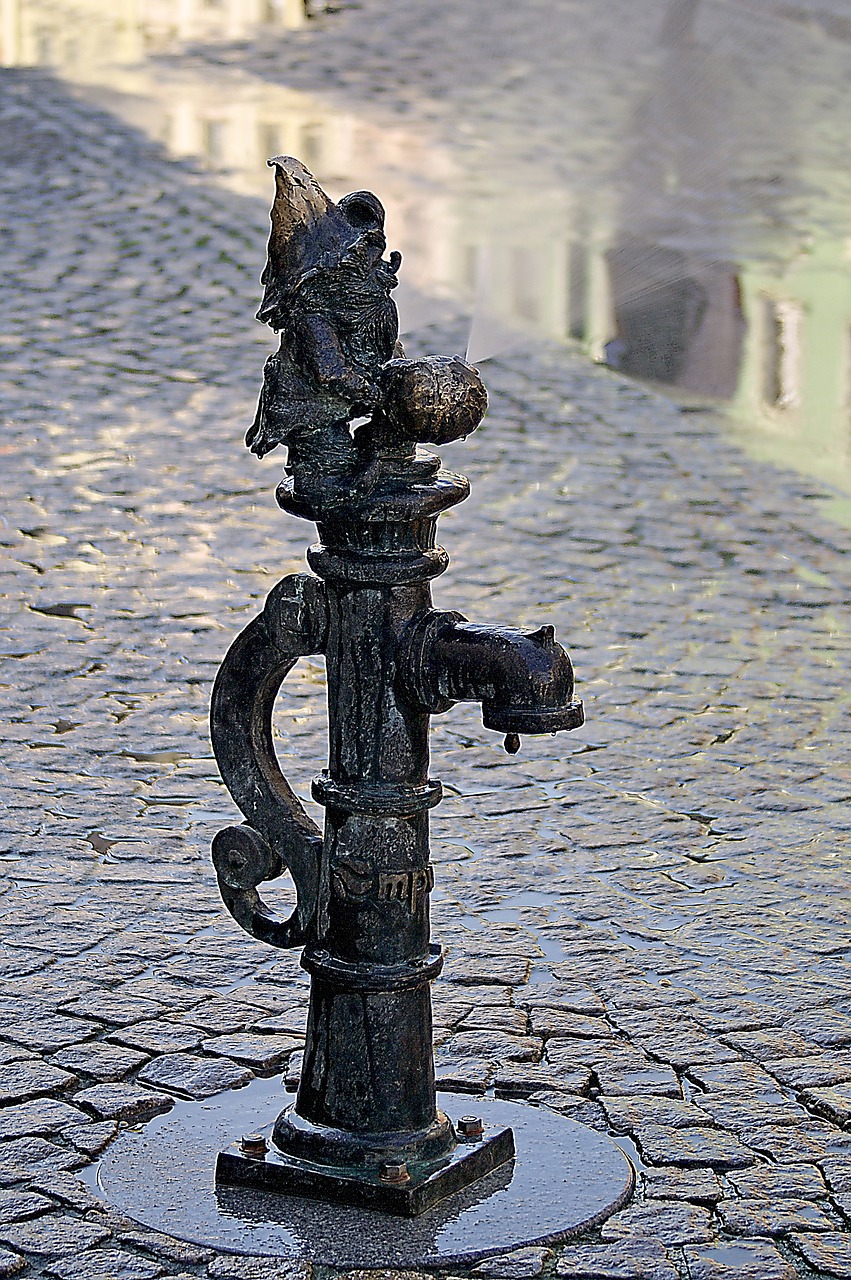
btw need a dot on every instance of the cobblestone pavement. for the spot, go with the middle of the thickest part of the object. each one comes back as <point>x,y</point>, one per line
<point>646,920</point>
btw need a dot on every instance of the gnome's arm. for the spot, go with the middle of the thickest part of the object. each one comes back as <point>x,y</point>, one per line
<point>323,355</point>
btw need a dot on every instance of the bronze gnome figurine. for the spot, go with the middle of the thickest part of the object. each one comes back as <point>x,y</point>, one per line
<point>351,411</point>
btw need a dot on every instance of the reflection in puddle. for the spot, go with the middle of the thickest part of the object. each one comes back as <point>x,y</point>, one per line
<point>685,217</point>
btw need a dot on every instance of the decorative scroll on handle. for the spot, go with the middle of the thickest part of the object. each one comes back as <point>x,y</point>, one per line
<point>278,835</point>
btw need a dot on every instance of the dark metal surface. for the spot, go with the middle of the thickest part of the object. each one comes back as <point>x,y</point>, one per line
<point>565,1177</point>
<point>367,1093</point>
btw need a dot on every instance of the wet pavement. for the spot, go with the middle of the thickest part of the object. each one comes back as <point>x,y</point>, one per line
<point>645,919</point>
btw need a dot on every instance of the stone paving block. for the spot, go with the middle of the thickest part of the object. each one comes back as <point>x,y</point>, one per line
<point>494,1045</point>
<point>701,1186</point>
<point>162,1246</point>
<point>780,1217</point>
<point>112,1009</point>
<point>159,1037</point>
<point>105,1264</point>
<point>38,1117</point>
<point>766,1045</point>
<point>20,1081</point>
<point>737,1078</point>
<point>67,1189</point>
<point>21,1158</point>
<point>627,1114</point>
<point>563,996</point>
<point>742,1260</point>
<point>501,971</point>
<point>513,1021</point>
<point>828,1253</point>
<point>748,1112</point>
<point>221,1016</point>
<point>52,1236</point>
<point>123,1102</point>
<point>521,1080</point>
<point>518,1265</point>
<point>102,1061</point>
<point>640,1259</point>
<point>47,1033</point>
<point>689,1148</point>
<point>770,1180</point>
<point>91,1139</point>
<point>467,1075</point>
<point>18,1205</point>
<point>826,1027</point>
<point>811,1072</point>
<point>837,1171</point>
<point>833,1103</point>
<point>672,1223</point>
<point>558,1022</point>
<point>234,1267</point>
<point>263,1053</point>
<point>787,1144</point>
<point>194,1077</point>
<point>660,1081</point>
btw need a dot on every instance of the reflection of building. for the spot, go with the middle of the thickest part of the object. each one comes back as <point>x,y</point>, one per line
<point>796,377</point>
<point>634,256</point>
<point>71,34</point>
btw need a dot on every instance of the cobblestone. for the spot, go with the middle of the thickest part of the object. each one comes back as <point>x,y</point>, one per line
<point>661,895</point>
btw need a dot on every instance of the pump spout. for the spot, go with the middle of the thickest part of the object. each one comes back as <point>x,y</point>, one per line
<point>523,679</point>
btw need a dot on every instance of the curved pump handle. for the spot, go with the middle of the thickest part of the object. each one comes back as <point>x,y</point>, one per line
<point>278,835</point>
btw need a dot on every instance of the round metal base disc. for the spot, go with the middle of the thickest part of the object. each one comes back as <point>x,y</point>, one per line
<point>565,1177</point>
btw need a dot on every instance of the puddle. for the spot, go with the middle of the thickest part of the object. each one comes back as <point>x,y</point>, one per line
<point>679,174</point>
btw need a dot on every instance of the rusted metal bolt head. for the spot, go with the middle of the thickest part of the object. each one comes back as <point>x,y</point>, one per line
<point>470,1127</point>
<point>254,1144</point>
<point>397,1172</point>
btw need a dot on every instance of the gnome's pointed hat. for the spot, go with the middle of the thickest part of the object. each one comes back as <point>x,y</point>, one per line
<point>308,231</point>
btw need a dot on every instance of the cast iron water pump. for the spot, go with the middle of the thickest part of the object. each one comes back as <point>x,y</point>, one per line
<point>365,1127</point>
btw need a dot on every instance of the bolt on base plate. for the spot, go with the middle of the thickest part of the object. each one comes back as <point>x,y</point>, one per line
<point>564,1178</point>
<point>406,1189</point>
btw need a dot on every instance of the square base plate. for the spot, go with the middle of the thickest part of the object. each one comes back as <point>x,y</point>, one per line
<point>426,1185</point>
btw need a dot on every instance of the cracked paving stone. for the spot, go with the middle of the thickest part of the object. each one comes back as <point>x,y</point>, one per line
<point>20,1081</point>
<point>105,1264</point>
<point>672,1223</point>
<point>833,1103</point>
<point>629,1113</point>
<point>38,1117</point>
<point>102,1061</point>
<point>264,1053</point>
<point>159,1037</point>
<point>773,1217</point>
<point>626,1260</point>
<point>68,1190</point>
<point>517,1265</point>
<point>123,1102</point>
<point>699,1185</point>
<point>195,1077</point>
<point>827,1252</point>
<point>787,1144</point>
<point>689,1147</point>
<point>742,1260</point>
<point>235,1267</point>
<point>770,1180</point>
<point>53,1237</point>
